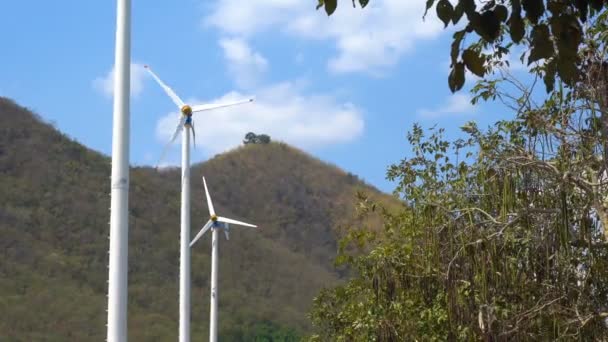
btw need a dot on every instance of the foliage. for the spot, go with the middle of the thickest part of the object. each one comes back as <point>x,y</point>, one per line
<point>502,235</point>
<point>252,138</point>
<point>331,5</point>
<point>54,238</point>
<point>505,245</point>
<point>263,332</point>
<point>550,30</point>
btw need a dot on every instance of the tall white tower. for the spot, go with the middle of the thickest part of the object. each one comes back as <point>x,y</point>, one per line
<point>119,210</point>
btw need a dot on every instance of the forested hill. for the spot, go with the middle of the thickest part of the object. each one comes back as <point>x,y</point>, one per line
<point>54,196</point>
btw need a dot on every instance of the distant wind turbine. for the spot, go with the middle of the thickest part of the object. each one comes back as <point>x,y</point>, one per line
<point>215,223</point>
<point>185,121</point>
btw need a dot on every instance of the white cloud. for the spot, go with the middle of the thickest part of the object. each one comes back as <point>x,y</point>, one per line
<point>245,64</point>
<point>105,84</point>
<point>368,40</point>
<point>456,105</point>
<point>282,111</point>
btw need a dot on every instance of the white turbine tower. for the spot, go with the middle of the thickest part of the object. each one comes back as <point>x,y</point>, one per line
<point>119,228</point>
<point>185,121</point>
<point>215,223</point>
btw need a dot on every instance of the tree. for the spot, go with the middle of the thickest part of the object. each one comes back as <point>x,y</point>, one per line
<point>263,139</point>
<point>509,246</point>
<point>551,30</point>
<point>252,138</point>
<point>502,235</point>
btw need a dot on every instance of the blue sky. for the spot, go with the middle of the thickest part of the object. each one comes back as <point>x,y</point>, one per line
<point>345,88</point>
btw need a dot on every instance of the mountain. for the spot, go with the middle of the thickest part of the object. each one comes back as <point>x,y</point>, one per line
<point>54,214</point>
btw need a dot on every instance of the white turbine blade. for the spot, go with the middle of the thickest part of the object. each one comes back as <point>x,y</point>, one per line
<point>200,108</point>
<point>231,221</point>
<point>226,233</point>
<point>193,134</point>
<point>209,203</point>
<point>178,129</point>
<point>166,88</point>
<point>203,230</point>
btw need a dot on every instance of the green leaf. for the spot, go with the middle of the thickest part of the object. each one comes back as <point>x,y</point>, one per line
<point>363,3</point>
<point>516,6</point>
<point>474,23</point>
<point>534,9</point>
<point>549,76</point>
<point>458,36</point>
<point>568,32</point>
<point>469,127</point>
<point>468,6</point>
<point>474,62</point>
<point>516,27</point>
<point>445,11</point>
<point>456,78</point>
<point>490,25</point>
<point>429,4</point>
<point>567,71</point>
<point>458,12</point>
<point>542,46</point>
<point>556,7</point>
<point>330,6</point>
<point>596,4</point>
<point>582,7</point>
<point>501,13</point>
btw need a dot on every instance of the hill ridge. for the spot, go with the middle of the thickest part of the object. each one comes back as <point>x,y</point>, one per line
<point>54,229</point>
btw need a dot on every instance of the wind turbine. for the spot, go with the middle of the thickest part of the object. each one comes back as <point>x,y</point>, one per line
<point>215,223</point>
<point>185,121</point>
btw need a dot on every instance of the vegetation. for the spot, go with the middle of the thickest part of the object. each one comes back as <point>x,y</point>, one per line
<point>54,239</point>
<point>252,138</point>
<point>506,247</point>
<point>502,235</point>
<point>550,30</point>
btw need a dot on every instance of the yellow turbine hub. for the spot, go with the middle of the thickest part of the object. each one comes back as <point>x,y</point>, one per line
<point>186,110</point>
<point>213,218</point>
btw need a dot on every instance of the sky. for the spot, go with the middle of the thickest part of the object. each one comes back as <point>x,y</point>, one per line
<point>345,88</point>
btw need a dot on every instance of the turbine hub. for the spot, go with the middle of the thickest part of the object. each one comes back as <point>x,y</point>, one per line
<point>186,110</point>
<point>213,218</point>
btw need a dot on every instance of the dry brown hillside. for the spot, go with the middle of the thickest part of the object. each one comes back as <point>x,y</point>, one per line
<point>54,238</point>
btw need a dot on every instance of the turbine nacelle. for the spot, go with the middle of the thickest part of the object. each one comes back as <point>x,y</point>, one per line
<point>186,110</point>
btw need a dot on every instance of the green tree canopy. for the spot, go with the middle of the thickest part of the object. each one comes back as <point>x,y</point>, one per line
<point>500,238</point>
<point>252,138</point>
<point>550,30</point>
<point>502,235</point>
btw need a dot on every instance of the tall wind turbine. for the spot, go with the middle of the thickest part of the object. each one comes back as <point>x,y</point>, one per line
<point>119,228</point>
<point>185,121</point>
<point>215,223</point>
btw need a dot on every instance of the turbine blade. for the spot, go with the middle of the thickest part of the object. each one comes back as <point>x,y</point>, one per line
<point>200,108</point>
<point>178,129</point>
<point>202,231</point>
<point>193,135</point>
<point>209,203</point>
<point>231,221</point>
<point>166,88</point>
<point>226,233</point>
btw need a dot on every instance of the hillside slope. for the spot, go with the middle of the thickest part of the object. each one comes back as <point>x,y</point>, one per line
<point>54,238</point>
